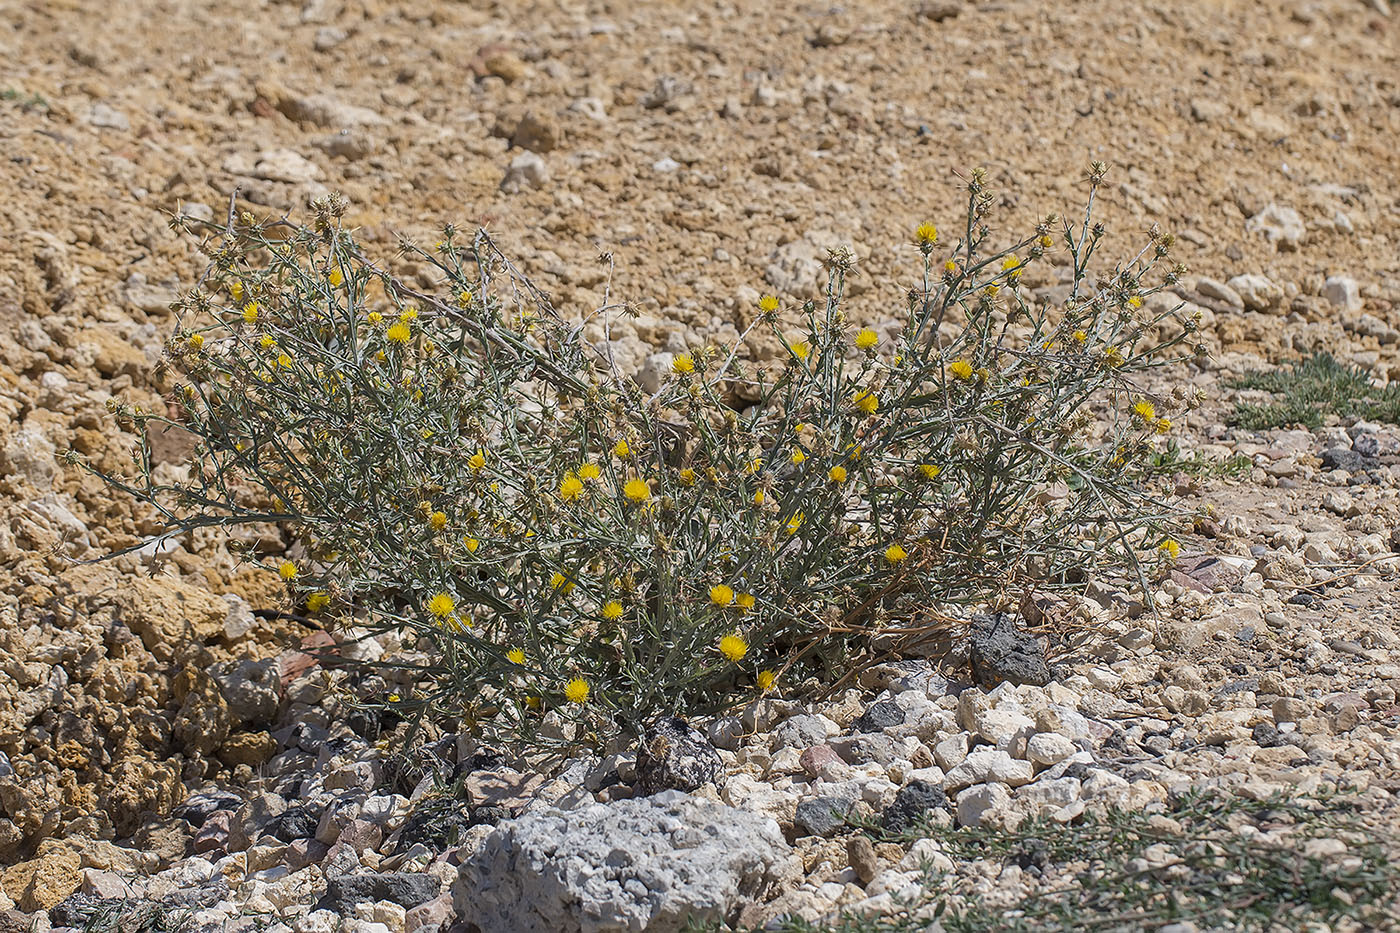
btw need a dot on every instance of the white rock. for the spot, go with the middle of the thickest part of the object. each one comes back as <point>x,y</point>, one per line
<point>1282,226</point>
<point>1342,292</point>
<point>527,170</point>
<point>30,454</point>
<point>108,117</point>
<point>284,165</point>
<point>999,724</point>
<point>985,765</point>
<point>634,864</point>
<point>975,802</point>
<point>926,852</point>
<point>1257,292</point>
<point>1052,794</point>
<point>1048,748</point>
<point>950,752</point>
<point>1219,291</point>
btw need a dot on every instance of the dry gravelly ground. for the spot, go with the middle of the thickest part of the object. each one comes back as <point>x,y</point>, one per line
<point>716,150</point>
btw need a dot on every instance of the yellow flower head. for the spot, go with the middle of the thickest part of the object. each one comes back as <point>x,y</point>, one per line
<point>768,304</point>
<point>686,477</point>
<point>317,601</point>
<point>637,490</point>
<point>1080,336</point>
<point>266,341</point>
<point>721,595</point>
<point>962,369</point>
<point>471,544</point>
<point>399,333</point>
<point>758,497</point>
<point>287,571</point>
<point>196,341</point>
<point>621,449</point>
<point>236,290</point>
<point>683,364</point>
<point>464,297</point>
<point>557,581</point>
<point>764,681</point>
<point>477,460</point>
<point>745,601</point>
<point>867,339</point>
<point>335,278</point>
<point>837,474</point>
<point>571,488</point>
<point>374,318</point>
<point>284,361</point>
<point>1169,549</point>
<point>795,523</point>
<point>1145,410</point>
<point>926,235</point>
<point>576,691</point>
<point>437,521</point>
<point>798,456</point>
<point>250,313</point>
<point>515,656</point>
<point>733,647</point>
<point>441,605</point>
<point>1164,425</point>
<point>588,471</point>
<point>866,401</point>
<point>951,267</point>
<point>801,349</point>
<point>1011,265</point>
<point>930,470</point>
<point>1135,302</point>
<point>894,553</point>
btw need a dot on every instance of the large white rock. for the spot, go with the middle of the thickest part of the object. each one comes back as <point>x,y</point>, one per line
<point>642,864</point>
<point>1282,226</point>
<point>1342,292</point>
<point>988,765</point>
<point>976,802</point>
<point>1257,292</point>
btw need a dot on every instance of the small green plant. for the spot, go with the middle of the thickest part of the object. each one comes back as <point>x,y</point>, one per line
<point>26,102</point>
<point>1200,858</point>
<point>1168,461</point>
<point>461,467</point>
<point>1309,390</point>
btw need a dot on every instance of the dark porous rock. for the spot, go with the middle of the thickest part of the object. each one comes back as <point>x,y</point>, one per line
<point>406,889</point>
<point>1367,445</point>
<point>438,823</point>
<point>674,755</point>
<point>197,897</point>
<point>822,816</point>
<point>77,909</point>
<point>879,716</point>
<point>861,748</point>
<point>909,805</point>
<point>1000,651</point>
<point>489,815</point>
<point>1266,735</point>
<point>1339,458</point>
<point>198,807</point>
<point>292,824</point>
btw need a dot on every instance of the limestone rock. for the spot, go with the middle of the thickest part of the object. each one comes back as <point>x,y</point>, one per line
<point>652,863</point>
<point>1282,226</point>
<point>1257,292</point>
